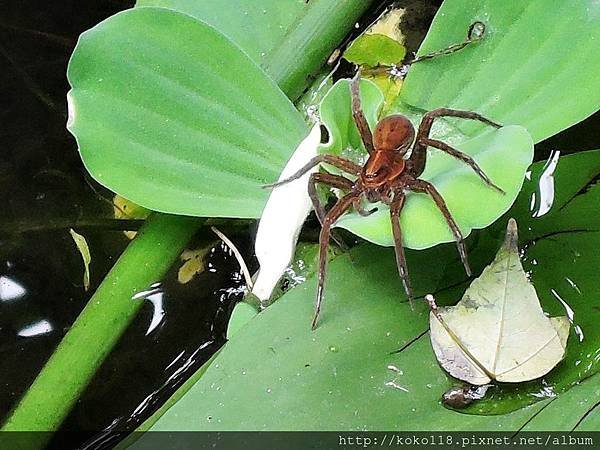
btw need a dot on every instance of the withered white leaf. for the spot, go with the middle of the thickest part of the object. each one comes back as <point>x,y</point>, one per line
<point>498,330</point>
<point>283,217</point>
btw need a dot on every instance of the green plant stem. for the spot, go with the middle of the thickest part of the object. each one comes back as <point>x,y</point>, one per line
<point>311,43</point>
<point>159,243</point>
<point>101,323</point>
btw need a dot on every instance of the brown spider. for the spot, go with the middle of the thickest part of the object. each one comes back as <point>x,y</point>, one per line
<point>386,177</point>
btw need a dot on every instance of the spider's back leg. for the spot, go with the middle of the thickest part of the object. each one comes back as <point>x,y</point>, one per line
<point>428,188</point>
<point>395,210</point>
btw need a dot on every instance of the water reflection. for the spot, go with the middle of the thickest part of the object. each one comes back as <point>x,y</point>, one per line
<point>10,289</point>
<point>155,295</point>
<point>38,328</point>
<point>570,315</point>
<point>545,187</point>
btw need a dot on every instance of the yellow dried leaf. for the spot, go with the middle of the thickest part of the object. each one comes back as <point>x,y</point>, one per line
<point>84,250</point>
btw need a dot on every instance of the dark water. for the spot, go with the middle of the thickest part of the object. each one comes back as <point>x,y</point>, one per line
<point>44,191</point>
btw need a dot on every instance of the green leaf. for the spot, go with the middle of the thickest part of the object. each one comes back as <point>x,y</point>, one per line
<point>370,346</point>
<point>536,65</point>
<point>504,154</point>
<point>258,29</point>
<point>276,363</point>
<point>187,126</point>
<point>84,250</point>
<point>289,39</point>
<point>375,49</point>
<point>566,412</point>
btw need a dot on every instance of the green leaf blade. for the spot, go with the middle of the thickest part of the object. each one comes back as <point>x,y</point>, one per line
<point>357,316</point>
<point>352,359</point>
<point>271,30</point>
<point>535,66</point>
<point>175,128</point>
<point>247,27</point>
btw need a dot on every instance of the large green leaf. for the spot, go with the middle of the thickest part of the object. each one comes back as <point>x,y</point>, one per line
<point>536,66</point>
<point>354,371</point>
<point>504,154</point>
<point>276,374</point>
<point>187,126</point>
<point>286,37</point>
<point>558,415</point>
<point>258,37</point>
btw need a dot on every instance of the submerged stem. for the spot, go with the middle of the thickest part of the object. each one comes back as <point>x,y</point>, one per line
<point>100,325</point>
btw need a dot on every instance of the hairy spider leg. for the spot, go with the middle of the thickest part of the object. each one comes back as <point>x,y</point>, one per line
<point>395,210</point>
<point>428,188</point>
<point>331,217</point>
<point>418,156</point>
<point>335,181</point>
<point>337,161</point>
<point>359,116</point>
<point>464,158</point>
<point>329,179</point>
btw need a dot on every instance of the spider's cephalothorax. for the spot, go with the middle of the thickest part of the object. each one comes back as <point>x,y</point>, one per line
<point>386,177</point>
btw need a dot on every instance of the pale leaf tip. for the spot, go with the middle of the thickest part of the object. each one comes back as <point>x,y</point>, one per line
<point>511,238</point>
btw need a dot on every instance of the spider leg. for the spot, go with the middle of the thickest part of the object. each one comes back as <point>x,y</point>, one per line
<point>464,158</point>
<point>419,153</point>
<point>428,188</point>
<point>395,209</point>
<point>335,181</point>
<point>358,114</point>
<point>334,214</point>
<point>337,161</point>
<point>428,118</point>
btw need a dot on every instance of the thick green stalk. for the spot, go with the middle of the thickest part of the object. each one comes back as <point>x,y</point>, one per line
<point>101,323</point>
<point>307,46</point>
<point>161,240</point>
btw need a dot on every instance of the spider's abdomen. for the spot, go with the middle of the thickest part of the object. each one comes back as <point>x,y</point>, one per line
<point>394,133</point>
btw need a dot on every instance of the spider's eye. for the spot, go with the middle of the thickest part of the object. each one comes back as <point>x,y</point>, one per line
<point>373,174</point>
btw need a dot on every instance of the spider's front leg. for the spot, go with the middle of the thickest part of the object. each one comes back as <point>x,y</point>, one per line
<point>464,158</point>
<point>428,118</point>
<point>395,209</point>
<point>335,181</point>
<point>331,217</point>
<point>428,188</point>
<point>337,161</point>
<point>359,116</point>
<point>422,141</point>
